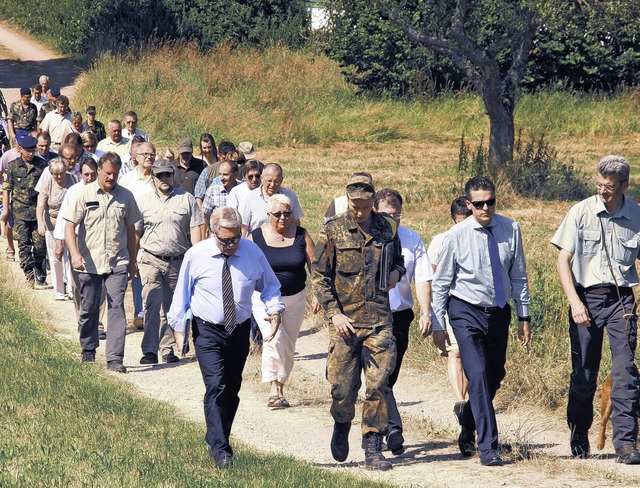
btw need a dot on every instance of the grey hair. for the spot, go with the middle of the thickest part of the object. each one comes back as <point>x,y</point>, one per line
<point>227,217</point>
<point>57,164</point>
<point>278,199</point>
<point>614,165</point>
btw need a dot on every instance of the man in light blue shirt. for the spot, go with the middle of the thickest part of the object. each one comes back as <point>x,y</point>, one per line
<point>220,333</point>
<point>480,268</point>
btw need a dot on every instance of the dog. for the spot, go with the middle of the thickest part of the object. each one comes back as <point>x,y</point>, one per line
<point>605,412</point>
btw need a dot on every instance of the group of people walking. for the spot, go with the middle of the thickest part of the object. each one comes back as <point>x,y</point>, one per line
<point>214,248</point>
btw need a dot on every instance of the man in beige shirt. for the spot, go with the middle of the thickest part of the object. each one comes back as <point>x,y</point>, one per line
<point>170,224</point>
<point>115,141</point>
<point>58,122</point>
<point>103,252</point>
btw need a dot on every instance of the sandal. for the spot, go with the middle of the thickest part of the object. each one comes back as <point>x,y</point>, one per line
<point>284,402</point>
<point>10,255</point>
<point>276,402</point>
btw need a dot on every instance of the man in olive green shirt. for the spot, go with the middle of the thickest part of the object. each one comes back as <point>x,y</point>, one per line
<point>104,250</point>
<point>170,224</point>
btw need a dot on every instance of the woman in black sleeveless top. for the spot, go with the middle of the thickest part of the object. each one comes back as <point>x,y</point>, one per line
<point>288,248</point>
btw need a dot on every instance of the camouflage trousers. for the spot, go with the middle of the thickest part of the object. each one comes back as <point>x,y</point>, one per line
<point>32,248</point>
<point>371,350</point>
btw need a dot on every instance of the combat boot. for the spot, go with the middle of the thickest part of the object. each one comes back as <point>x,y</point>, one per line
<point>340,441</point>
<point>373,458</point>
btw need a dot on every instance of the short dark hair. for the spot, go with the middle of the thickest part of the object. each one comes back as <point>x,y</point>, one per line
<point>226,147</point>
<point>459,207</point>
<point>62,99</point>
<point>88,162</point>
<point>232,165</point>
<point>74,139</point>
<point>478,183</point>
<point>110,157</point>
<point>389,195</point>
<point>36,86</point>
<point>44,134</point>
<point>252,164</point>
<point>138,139</point>
<point>131,113</point>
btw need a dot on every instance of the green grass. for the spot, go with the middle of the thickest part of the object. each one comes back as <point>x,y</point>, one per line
<point>69,424</point>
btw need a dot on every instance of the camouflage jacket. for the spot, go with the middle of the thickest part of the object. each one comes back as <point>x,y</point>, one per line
<point>44,110</point>
<point>21,179</point>
<point>24,118</point>
<point>346,269</point>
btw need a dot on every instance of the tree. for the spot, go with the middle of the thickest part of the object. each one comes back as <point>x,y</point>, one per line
<point>489,40</point>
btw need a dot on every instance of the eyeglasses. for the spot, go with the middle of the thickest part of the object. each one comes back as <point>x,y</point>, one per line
<point>480,205</point>
<point>147,155</point>
<point>230,240</point>
<point>601,186</point>
<point>278,215</point>
<point>253,177</point>
<point>396,216</point>
<point>162,176</point>
<point>72,160</point>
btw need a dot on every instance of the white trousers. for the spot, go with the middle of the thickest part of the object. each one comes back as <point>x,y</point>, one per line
<point>277,354</point>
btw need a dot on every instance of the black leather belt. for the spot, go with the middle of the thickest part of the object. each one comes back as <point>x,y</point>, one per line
<point>604,289</point>
<point>479,307</point>
<point>166,258</point>
<point>199,321</point>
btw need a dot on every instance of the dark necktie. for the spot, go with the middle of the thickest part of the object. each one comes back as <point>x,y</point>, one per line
<point>228,303</point>
<point>496,269</point>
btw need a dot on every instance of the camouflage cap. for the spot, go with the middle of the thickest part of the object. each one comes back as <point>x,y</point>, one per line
<point>360,186</point>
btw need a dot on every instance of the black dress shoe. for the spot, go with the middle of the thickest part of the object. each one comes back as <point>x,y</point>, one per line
<point>170,358</point>
<point>628,454</point>
<point>491,458</point>
<point>580,445</point>
<point>467,442</point>
<point>89,356</point>
<point>395,442</point>
<point>149,358</point>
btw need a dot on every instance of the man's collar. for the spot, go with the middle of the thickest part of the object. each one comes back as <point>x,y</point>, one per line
<point>623,211</point>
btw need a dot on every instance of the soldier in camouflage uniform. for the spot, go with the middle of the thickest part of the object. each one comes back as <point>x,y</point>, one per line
<point>21,177</point>
<point>347,279</point>
<point>50,106</point>
<point>22,115</point>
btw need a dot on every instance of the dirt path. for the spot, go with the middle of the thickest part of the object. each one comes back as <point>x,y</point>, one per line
<point>304,430</point>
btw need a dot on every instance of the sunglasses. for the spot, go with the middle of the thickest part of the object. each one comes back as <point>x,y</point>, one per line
<point>162,176</point>
<point>277,215</point>
<point>253,177</point>
<point>480,205</point>
<point>230,240</point>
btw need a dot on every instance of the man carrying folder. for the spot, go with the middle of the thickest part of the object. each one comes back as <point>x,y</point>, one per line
<point>352,281</point>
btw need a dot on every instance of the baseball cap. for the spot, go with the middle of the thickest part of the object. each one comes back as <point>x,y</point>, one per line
<point>25,91</point>
<point>25,141</point>
<point>185,145</point>
<point>247,149</point>
<point>55,92</point>
<point>162,166</point>
<point>91,110</point>
<point>360,186</point>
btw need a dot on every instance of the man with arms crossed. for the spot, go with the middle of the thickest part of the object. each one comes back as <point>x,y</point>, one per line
<point>480,267</point>
<point>598,242</point>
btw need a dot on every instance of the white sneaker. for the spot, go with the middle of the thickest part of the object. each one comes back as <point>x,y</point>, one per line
<point>61,296</point>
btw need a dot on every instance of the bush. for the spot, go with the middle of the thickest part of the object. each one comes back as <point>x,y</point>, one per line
<point>89,26</point>
<point>535,171</point>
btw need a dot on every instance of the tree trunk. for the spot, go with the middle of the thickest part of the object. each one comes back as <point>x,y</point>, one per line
<point>501,129</point>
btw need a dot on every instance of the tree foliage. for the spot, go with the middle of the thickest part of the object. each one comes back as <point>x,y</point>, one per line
<point>82,27</point>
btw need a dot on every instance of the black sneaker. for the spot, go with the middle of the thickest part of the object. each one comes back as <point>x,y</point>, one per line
<point>88,356</point>
<point>116,366</point>
<point>628,454</point>
<point>170,358</point>
<point>149,358</point>
<point>580,445</point>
